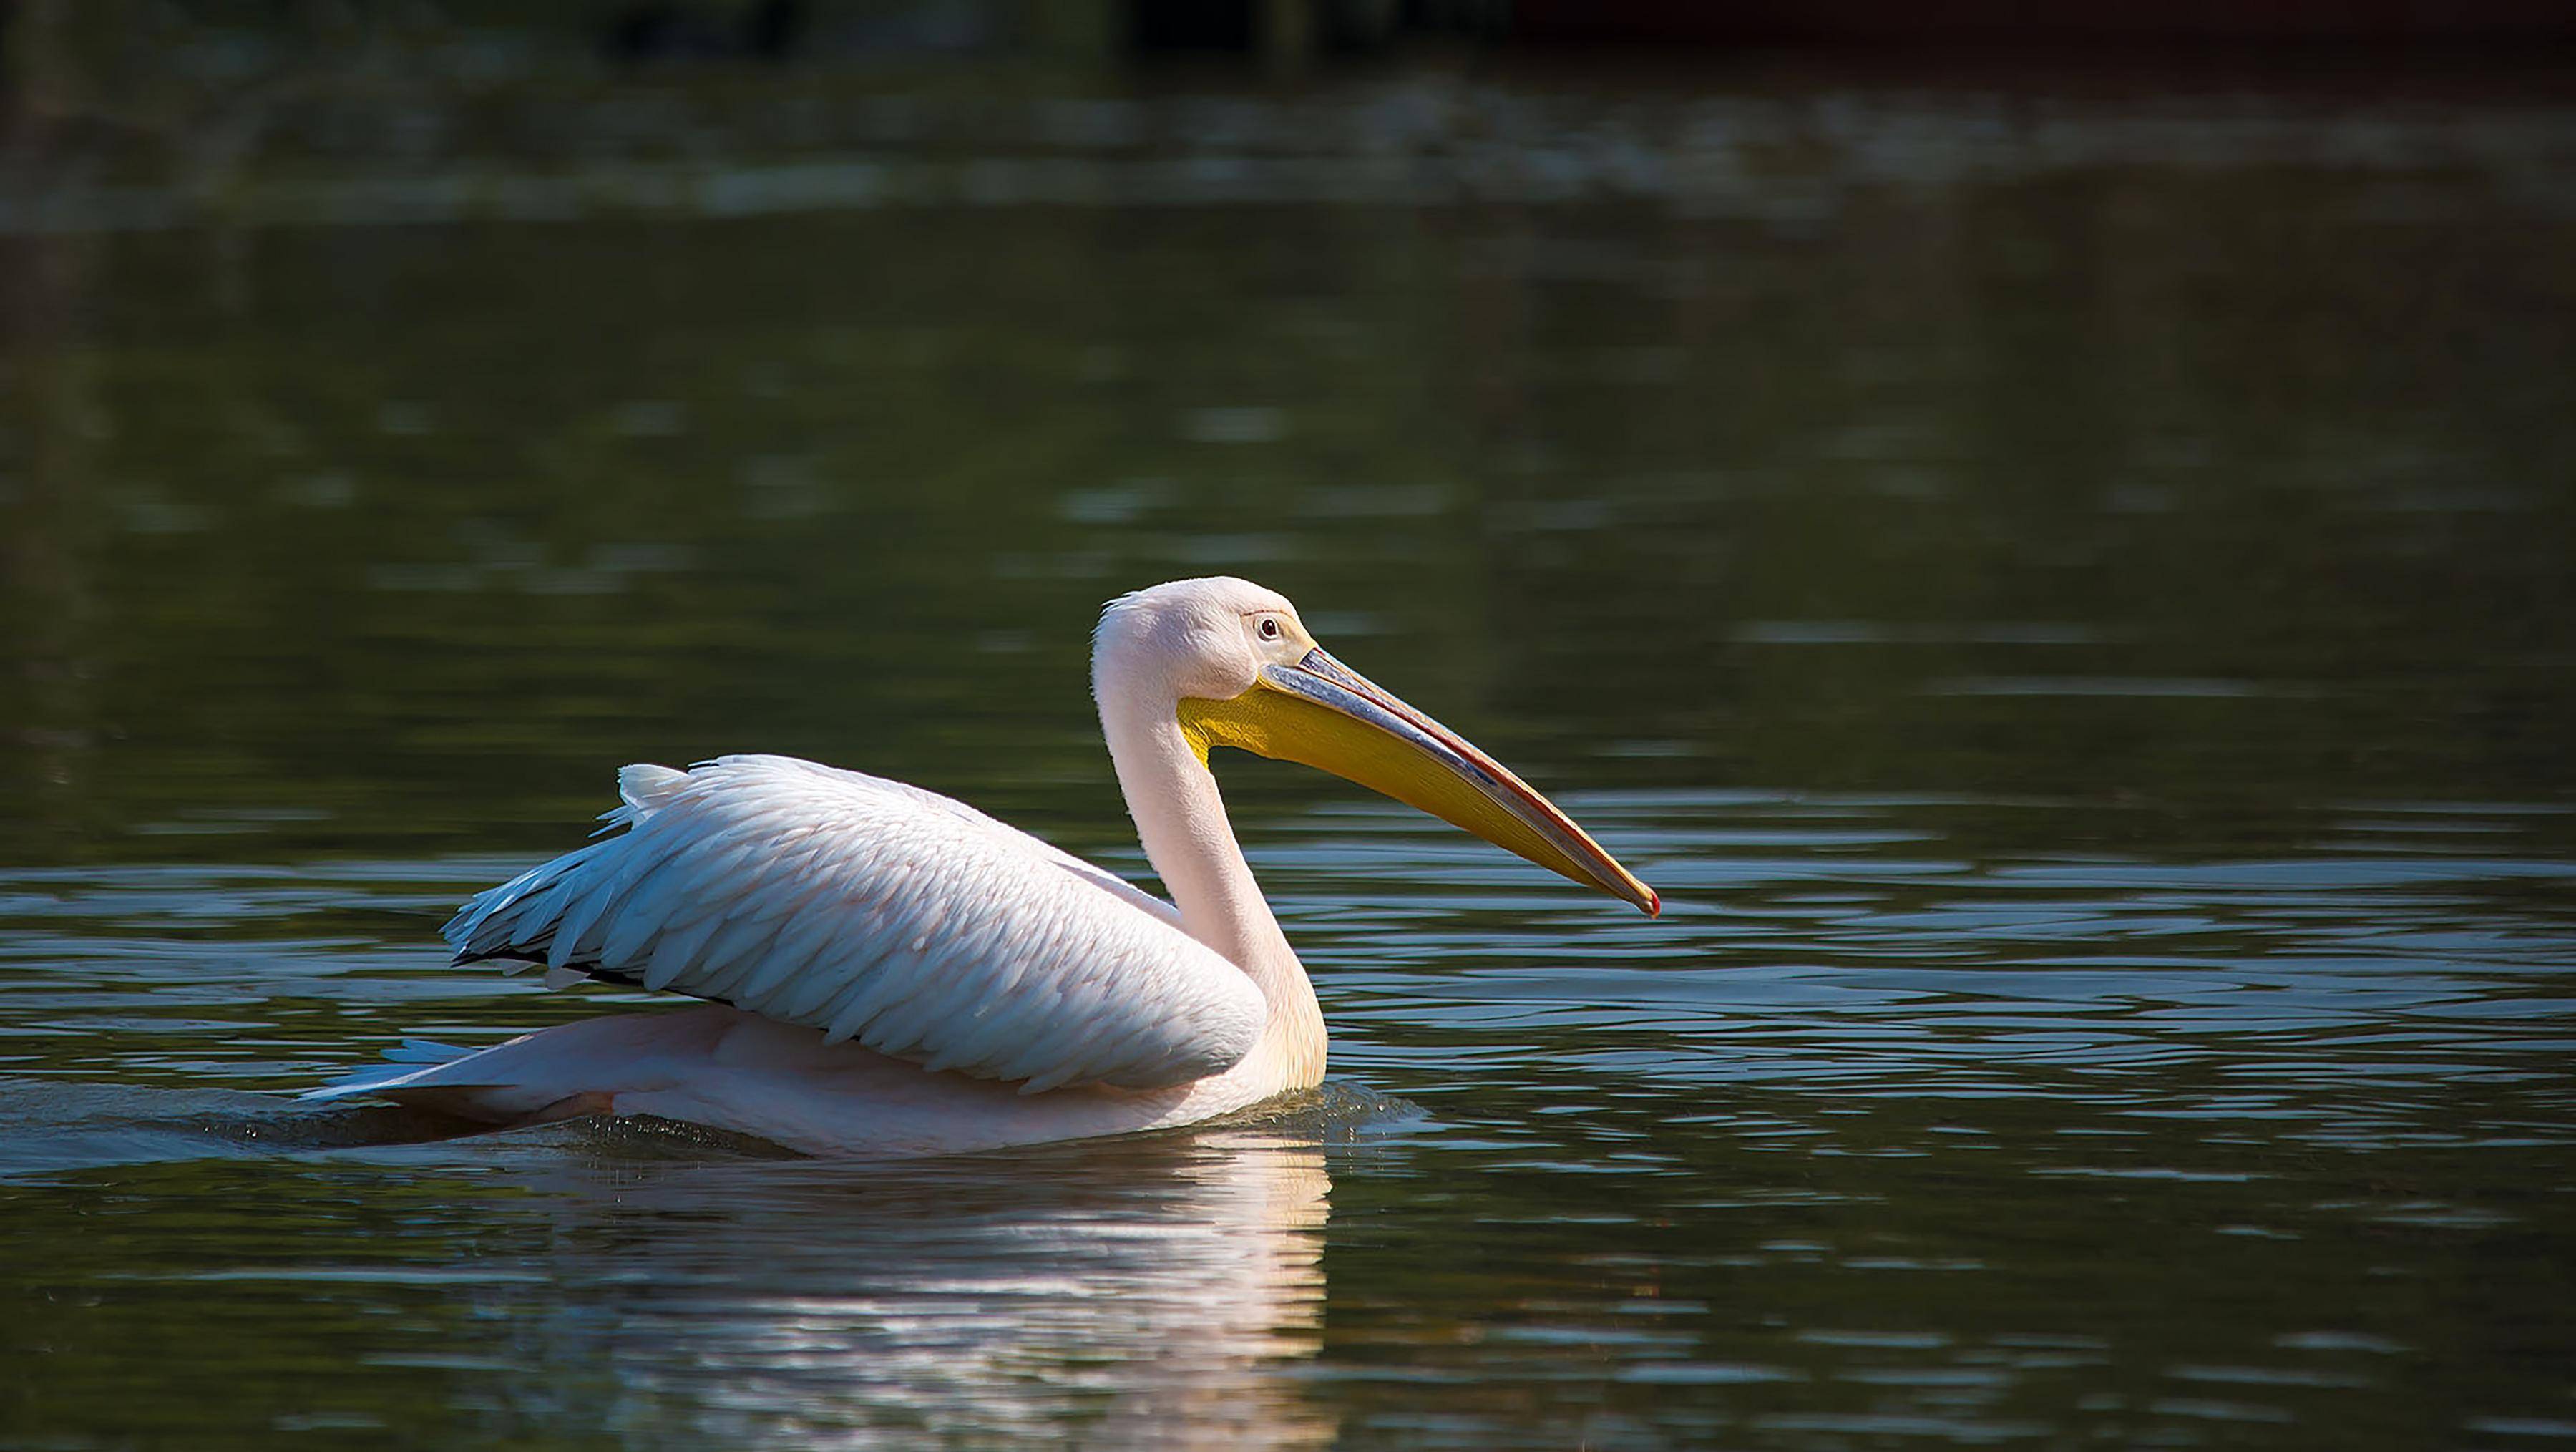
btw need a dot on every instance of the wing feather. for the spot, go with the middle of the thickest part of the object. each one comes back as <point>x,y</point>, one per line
<point>872,910</point>
<point>793,949</point>
<point>676,952</point>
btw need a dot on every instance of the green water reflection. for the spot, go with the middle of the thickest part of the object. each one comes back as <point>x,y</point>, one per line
<point>2066,593</point>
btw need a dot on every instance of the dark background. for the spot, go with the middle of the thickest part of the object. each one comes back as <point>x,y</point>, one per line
<point>2045,533</point>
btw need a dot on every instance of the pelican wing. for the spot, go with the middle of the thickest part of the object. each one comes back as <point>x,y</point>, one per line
<point>878,912</point>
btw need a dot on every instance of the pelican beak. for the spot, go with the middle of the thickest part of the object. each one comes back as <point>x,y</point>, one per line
<point>1321,712</point>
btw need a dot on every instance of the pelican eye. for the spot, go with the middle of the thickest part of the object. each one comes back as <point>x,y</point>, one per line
<point>1269,629</point>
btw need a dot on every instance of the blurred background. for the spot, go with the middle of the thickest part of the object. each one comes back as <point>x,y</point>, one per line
<point>408,396</point>
<point>2046,532</point>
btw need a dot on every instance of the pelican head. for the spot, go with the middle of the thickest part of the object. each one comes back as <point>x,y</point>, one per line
<point>1234,666</point>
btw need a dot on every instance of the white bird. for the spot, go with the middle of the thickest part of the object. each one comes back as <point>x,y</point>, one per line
<point>892,972</point>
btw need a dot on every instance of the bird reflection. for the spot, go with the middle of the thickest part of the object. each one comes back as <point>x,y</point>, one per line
<point>1128,1294</point>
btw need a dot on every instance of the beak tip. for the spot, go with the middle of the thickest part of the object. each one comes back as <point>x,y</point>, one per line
<point>1654,903</point>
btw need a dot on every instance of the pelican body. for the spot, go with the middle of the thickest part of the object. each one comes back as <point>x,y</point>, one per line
<point>890,972</point>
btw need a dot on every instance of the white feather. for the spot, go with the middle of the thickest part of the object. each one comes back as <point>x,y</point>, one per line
<point>789,889</point>
<point>674,950</point>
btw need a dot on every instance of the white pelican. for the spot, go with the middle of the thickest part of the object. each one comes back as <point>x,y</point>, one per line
<point>892,972</point>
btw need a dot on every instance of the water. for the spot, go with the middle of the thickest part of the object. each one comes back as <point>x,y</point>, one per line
<point>2064,589</point>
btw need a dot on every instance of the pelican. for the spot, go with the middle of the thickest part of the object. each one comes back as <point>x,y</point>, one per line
<point>889,972</point>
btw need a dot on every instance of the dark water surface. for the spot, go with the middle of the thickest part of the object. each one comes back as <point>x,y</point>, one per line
<point>2068,595</point>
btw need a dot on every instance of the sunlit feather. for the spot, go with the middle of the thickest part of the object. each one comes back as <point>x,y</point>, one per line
<point>891,971</point>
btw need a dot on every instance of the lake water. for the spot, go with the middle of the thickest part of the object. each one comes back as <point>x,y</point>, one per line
<point>2066,590</point>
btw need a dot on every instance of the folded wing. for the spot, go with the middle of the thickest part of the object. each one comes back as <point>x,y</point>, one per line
<point>879,912</point>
